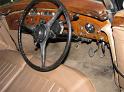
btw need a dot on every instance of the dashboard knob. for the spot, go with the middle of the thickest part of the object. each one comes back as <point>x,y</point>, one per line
<point>75,17</point>
<point>90,28</point>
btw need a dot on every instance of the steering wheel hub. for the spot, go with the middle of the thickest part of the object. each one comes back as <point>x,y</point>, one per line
<point>40,33</point>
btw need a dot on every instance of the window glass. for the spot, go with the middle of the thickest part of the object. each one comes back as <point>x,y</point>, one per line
<point>3,2</point>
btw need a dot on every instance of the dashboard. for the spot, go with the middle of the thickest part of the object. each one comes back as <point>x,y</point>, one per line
<point>86,26</point>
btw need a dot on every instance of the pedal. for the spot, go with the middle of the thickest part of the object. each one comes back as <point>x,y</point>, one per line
<point>92,52</point>
<point>101,46</point>
<point>102,49</point>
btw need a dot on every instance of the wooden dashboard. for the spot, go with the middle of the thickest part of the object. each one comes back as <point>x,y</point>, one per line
<point>87,18</point>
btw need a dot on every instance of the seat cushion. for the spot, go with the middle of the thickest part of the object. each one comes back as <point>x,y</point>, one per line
<point>16,76</point>
<point>11,64</point>
<point>63,79</point>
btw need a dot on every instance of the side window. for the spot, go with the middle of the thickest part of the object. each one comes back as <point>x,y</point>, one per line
<point>2,2</point>
<point>120,4</point>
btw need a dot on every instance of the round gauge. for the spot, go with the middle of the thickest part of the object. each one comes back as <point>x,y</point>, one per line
<point>90,28</point>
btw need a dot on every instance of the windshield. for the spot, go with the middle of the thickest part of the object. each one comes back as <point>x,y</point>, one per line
<point>2,2</point>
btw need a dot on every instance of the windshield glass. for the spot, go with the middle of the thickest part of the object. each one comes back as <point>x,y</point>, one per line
<point>3,2</point>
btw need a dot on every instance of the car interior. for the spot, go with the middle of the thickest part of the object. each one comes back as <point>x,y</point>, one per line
<point>37,39</point>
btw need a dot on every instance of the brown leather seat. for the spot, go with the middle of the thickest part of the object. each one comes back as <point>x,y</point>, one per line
<point>16,76</point>
<point>11,64</point>
<point>5,39</point>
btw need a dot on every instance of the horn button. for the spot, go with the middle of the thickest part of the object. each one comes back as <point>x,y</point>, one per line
<point>40,33</point>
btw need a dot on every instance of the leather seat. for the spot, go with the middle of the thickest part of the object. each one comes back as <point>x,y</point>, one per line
<point>11,64</point>
<point>16,76</point>
<point>5,39</point>
<point>63,79</point>
<point>118,34</point>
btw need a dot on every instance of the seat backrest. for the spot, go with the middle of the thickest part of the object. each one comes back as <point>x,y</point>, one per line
<point>5,39</point>
<point>118,34</point>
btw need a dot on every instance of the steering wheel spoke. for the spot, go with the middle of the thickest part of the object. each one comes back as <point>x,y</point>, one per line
<point>54,18</point>
<point>43,54</point>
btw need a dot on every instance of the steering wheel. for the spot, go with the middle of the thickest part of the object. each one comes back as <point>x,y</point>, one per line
<point>42,33</point>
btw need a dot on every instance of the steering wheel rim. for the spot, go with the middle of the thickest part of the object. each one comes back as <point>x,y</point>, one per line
<point>68,43</point>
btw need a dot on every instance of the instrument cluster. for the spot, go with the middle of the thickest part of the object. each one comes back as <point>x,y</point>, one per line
<point>43,12</point>
<point>33,18</point>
